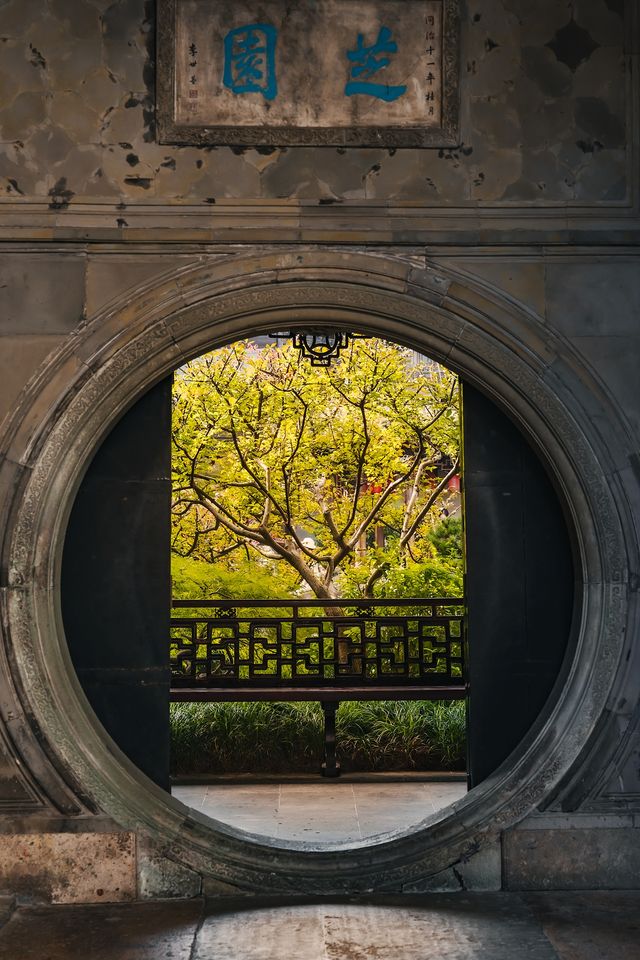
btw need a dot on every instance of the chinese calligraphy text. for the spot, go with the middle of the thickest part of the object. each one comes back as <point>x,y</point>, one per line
<point>367,62</point>
<point>249,60</point>
<point>314,72</point>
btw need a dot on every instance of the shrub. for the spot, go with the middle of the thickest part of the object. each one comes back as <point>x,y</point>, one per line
<point>215,738</point>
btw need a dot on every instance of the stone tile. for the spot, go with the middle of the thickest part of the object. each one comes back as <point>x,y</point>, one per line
<point>160,878</point>
<point>224,175</point>
<point>590,926</point>
<point>41,294</point>
<point>333,821</point>
<point>456,926</point>
<point>296,933</point>
<point>27,111</point>
<point>316,797</point>
<point>322,811</point>
<point>69,867</point>
<point>131,932</point>
<point>268,830</point>
<point>372,823</point>
<point>310,831</point>
<point>520,279</point>
<point>390,791</point>
<point>331,817</point>
<point>393,801</point>
<point>7,906</point>
<point>482,870</point>
<point>192,796</point>
<point>19,359</point>
<point>241,800</point>
<point>616,359</point>
<point>575,821</point>
<point>575,292</point>
<point>230,814</point>
<point>110,277</point>
<point>333,828</point>
<point>450,927</point>
<point>372,826</point>
<point>71,111</point>
<point>233,792</point>
<point>253,811</point>
<point>572,859</point>
<point>457,788</point>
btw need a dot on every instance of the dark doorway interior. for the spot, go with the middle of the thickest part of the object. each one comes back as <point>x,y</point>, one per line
<point>519,583</point>
<point>116,582</point>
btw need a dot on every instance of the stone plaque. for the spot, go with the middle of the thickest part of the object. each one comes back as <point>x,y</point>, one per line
<point>318,72</point>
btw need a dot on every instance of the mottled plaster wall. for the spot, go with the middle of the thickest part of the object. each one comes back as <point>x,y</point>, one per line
<point>543,115</point>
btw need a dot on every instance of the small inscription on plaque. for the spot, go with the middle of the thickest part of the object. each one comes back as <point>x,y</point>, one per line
<point>338,72</point>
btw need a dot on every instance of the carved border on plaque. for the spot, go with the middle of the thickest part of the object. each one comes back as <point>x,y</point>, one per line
<point>172,131</point>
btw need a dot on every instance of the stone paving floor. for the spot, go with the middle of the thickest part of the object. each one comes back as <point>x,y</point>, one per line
<point>463,926</point>
<point>324,811</point>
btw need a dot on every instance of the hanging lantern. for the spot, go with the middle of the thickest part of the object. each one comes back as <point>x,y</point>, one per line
<point>320,345</point>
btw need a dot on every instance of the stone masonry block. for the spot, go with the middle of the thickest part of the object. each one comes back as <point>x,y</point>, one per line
<point>69,867</point>
<point>41,294</point>
<point>598,859</point>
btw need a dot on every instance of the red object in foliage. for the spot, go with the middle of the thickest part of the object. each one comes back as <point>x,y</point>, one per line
<point>454,484</point>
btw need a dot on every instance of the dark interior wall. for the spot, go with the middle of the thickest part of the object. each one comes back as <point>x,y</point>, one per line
<point>116,585</point>
<point>519,583</point>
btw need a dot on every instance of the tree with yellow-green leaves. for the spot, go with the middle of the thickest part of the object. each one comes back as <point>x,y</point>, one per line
<point>328,474</point>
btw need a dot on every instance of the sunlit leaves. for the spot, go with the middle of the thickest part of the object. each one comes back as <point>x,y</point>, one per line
<point>298,464</point>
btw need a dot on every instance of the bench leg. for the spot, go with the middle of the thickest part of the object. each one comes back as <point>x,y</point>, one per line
<point>330,767</point>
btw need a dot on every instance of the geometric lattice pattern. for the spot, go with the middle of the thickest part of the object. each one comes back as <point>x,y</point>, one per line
<point>271,643</point>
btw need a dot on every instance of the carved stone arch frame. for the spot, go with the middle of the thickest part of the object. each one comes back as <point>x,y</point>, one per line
<point>106,365</point>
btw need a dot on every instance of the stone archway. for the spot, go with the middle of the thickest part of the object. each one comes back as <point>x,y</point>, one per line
<point>129,347</point>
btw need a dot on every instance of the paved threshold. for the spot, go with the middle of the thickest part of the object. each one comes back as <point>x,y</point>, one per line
<point>501,926</point>
<point>328,811</point>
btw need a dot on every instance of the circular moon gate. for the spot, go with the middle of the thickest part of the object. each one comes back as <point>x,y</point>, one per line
<point>106,366</point>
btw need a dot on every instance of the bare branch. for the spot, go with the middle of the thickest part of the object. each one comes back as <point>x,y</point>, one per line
<point>362,456</point>
<point>225,518</point>
<point>374,577</point>
<point>430,502</point>
<point>377,507</point>
<point>411,500</point>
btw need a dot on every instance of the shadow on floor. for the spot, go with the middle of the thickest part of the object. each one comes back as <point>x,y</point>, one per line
<point>464,926</point>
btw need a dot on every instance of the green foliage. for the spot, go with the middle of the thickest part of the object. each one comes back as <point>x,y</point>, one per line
<point>213,738</point>
<point>243,737</point>
<point>435,578</point>
<point>245,579</point>
<point>446,539</point>
<point>438,574</point>
<point>402,735</point>
<point>296,465</point>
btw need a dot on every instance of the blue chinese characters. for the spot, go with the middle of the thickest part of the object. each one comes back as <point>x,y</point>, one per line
<point>367,62</point>
<point>250,60</point>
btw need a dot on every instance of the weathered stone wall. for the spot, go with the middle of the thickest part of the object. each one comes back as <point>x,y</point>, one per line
<point>543,95</point>
<point>538,208</point>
